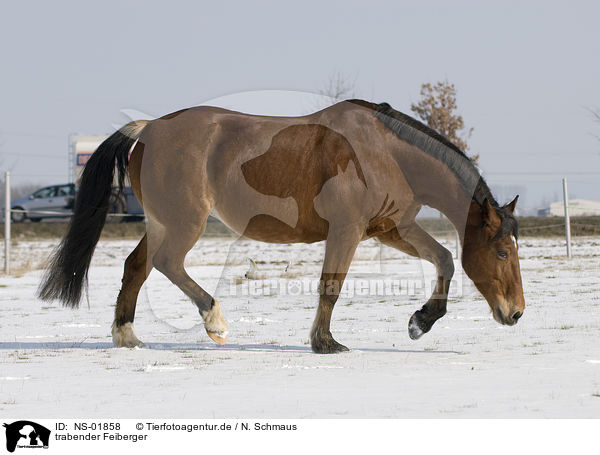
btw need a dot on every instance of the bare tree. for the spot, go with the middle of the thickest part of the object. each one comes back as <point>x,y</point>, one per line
<point>437,108</point>
<point>596,114</point>
<point>337,88</point>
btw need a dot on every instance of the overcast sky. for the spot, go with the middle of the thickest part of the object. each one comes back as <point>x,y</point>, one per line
<point>525,74</point>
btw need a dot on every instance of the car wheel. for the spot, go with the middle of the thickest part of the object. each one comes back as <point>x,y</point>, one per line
<point>18,217</point>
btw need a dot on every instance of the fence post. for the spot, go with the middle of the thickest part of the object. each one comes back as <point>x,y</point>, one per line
<point>567,220</point>
<point>7,224</point>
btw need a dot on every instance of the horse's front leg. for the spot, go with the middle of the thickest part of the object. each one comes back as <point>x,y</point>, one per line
<point>416,242</point>
<point>339,250</point>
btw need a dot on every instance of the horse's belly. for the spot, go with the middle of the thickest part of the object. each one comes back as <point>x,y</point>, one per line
<point>269,228</point>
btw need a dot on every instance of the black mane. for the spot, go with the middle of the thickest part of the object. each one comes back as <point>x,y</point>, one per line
<point>431,142</point>
<point>509,224</point>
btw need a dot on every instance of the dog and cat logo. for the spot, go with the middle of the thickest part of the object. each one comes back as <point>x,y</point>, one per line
<point>26,434</point>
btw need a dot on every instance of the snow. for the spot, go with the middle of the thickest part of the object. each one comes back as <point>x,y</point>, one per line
<point>577,207</point>
<point>55,362</point>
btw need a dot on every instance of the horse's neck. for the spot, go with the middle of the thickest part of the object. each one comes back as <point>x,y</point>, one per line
<point>457,209</point>
<point>437,186</point>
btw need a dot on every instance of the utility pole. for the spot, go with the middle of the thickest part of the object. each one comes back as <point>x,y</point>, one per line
<point>7,224</point>
<point>567,220</point>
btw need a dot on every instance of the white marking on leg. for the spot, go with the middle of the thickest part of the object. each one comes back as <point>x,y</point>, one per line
<point>414,331</point>
<point>214,322</point>
<point>124,337</point>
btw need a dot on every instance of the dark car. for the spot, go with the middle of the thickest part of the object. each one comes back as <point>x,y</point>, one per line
<point>54,201</point>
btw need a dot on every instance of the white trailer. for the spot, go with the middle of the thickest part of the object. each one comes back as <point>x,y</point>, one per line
<point>81,148</point>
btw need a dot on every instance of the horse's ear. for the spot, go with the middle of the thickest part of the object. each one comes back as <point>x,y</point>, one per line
<point>490,216</point>
<point>511,206</point>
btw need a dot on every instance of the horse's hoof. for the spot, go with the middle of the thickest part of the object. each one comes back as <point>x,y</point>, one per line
<point>218,337</point>
<point>123,337</point>
<point>134,344</point>
<point>416,326</point>
<point>215,324</point>
<point>327,345</point>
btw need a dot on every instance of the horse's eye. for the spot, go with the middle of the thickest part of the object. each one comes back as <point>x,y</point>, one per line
<point>502,254</point>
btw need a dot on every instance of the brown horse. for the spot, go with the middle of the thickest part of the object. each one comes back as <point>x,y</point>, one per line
<point>350,172</point>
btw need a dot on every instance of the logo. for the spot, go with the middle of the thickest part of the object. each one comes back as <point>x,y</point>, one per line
<point>26,434</point>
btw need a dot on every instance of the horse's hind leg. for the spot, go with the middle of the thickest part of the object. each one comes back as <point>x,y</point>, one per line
<point>416,242</point>
<point>134,274</point>
<point>179,238</point>
<point>137,268</point>
<point>339,250</point>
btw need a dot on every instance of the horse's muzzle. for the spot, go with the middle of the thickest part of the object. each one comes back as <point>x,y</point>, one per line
<point>507,320</point>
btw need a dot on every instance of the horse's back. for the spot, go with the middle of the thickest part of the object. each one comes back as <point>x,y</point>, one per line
<point>275,179</point>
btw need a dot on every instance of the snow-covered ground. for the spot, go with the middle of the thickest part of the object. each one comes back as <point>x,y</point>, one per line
<point>55,362</point>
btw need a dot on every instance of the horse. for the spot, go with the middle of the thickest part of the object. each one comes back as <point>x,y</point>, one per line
<point>347,173</point>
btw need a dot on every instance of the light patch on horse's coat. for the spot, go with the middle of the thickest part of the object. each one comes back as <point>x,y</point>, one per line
<point>215,324</point>
<point>237,217</point>
<point>124,337</point>
<point>414,331</point>
<point>514,240</point>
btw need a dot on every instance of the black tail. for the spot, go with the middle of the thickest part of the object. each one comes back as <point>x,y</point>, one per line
<point>69,263</point>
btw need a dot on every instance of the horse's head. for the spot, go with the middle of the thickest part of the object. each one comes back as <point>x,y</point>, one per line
<point>490,258</point>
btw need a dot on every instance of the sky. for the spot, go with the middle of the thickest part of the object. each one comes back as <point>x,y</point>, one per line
<point>526,74</point>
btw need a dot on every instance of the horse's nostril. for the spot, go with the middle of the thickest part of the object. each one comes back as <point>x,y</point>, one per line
<point>517,315</point>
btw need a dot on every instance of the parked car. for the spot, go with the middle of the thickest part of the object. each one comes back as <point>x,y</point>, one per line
<point>54,201</point>
<point>57,201</point>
